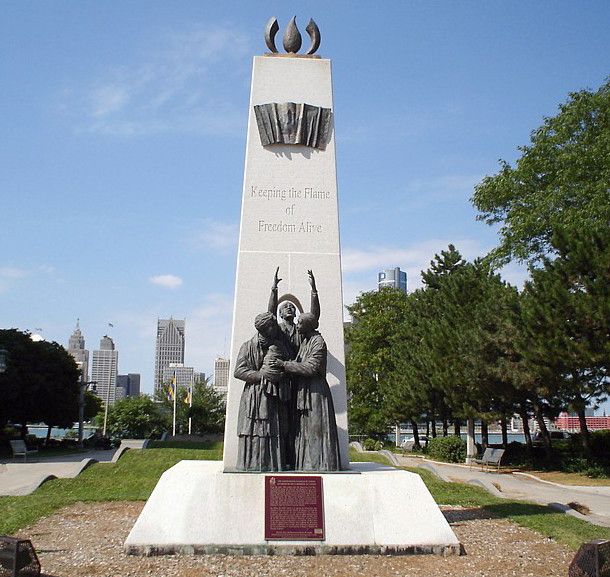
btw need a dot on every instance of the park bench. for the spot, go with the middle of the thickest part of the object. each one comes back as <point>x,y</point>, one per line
<point>491,457</point>
<point>19,448</point>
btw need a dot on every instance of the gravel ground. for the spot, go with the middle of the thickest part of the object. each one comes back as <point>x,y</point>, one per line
<point>87,540</point>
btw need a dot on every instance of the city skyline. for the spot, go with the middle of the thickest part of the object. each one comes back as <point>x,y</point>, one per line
<point>125,139</point>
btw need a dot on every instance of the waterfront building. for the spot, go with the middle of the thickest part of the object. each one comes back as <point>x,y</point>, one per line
<point>392,278</point>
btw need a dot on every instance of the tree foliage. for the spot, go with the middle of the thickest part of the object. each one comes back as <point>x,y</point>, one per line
<point>376,315</point>
<point>469,345</point>
<point>566,309</point>
<point>207,411</point>
<point>561,181</point>
<point>134,418</point>
<point>40,382</point>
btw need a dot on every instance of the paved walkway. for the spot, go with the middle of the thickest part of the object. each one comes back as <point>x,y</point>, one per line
<point>524,487</point>
<point>19,478</point>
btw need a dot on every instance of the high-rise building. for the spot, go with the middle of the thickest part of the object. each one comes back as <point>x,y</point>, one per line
<point>185,376</point>
<point>221,376</point>
<point>170,347</point>
<point>392,278</point>
<point>76,347</point>
<point>104,368</point>
<point>128,385</point>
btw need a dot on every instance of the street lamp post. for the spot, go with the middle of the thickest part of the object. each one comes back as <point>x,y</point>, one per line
<point>83,386</point>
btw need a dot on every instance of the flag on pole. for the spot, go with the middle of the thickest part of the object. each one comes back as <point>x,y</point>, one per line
<point>189,396</point>
<point>171,389</point>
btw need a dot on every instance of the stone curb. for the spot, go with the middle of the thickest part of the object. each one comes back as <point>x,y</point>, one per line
<point>30,487</point>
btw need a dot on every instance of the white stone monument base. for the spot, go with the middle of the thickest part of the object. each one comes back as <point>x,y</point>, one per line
<point>371,509</point>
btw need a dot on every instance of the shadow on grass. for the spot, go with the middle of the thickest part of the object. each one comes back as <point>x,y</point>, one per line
<point>454,516</point>
<point>514,509</point>
<point>206,445</point>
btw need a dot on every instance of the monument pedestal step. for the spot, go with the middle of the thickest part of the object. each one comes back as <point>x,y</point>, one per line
<point>196,508</point>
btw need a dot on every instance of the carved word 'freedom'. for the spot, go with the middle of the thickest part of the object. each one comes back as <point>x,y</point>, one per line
<point>304,226</point>
<point>307,193</point>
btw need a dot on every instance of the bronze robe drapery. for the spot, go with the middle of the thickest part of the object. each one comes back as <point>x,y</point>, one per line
<point>316,440</point>
<point>262,422</point>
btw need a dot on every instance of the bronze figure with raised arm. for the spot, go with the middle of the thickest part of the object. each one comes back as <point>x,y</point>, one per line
<point>316,445</point>
<point>287,312</point>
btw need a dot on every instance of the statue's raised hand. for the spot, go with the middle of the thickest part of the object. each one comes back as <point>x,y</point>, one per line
<point>312,281</point>
<point>276,279</point>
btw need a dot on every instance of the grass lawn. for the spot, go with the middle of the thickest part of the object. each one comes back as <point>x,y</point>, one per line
<point>356,457</point>
<point>570,478</point>
<point>131,478</point>
<point>136,473</point>
<point>559,526</point>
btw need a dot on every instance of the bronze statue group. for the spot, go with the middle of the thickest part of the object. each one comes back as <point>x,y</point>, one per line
<point>286,415</point>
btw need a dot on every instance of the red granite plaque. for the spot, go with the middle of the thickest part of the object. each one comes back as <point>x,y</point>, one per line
<point>294,508</point>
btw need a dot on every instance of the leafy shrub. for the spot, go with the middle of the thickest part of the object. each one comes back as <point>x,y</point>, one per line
<point>575,465</point>
<point>517,455</point>
<point>372,445</point>
<point>450,449</point>
<point>600,445</point>
<point>597,471</point>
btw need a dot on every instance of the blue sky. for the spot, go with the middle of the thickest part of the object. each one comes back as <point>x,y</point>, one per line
<point>123,138</point>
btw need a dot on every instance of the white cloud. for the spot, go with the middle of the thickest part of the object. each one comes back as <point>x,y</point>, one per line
<point>178,85</point>
<point>215,235</point>
<point>107,99</point>
<point>360,266</point>
<point>10,275</point>
<point>8,272</point>
<point>208,329</point>
<point>166,280</point>
<point>422,192</point>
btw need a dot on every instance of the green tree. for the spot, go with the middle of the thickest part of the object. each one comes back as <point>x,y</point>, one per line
<point>40,383</point>
<point>208,409</point>
<point>567,315</point>
<point>463,352</point>
<point>560,181</point>
<point>61,375</point>
<point>93,405</point>
<point>369,363</point>
<point>134,417</point>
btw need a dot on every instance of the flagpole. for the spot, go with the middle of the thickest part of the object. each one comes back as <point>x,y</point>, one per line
<point>190,404</point>
<point>175,385</point>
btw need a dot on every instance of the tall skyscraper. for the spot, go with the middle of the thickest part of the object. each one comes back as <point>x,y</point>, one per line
<point>392,278</point>
<point>185,376</point>
<point>129,385</point>
<point>221,376</point>
<point>170,347</point>
<point>76,347</point>
<point>104,368</point>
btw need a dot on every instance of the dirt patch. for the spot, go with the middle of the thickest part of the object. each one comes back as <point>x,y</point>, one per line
<point>582,509</point>
<point>87,540</point>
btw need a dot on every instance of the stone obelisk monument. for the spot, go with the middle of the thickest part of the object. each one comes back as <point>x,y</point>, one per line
<point>289,216</point>
<point>285,486</point>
